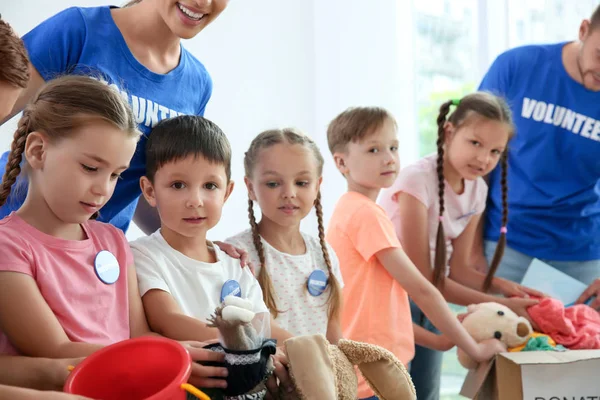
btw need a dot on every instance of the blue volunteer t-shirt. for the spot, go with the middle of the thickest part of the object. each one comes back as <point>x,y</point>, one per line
<point>87,41</point>
<point>554,158</point>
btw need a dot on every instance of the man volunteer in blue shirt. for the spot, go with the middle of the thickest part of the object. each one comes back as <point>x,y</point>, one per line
<point>554,158</point>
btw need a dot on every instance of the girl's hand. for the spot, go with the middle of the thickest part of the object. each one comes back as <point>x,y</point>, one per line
<point>16,393</point>
<point>235,252</point>
<point>57,370</point>
<point>203,376</point>
<point>487,349</point>
<point>520,306</point>
<point>59,396</point>
<point>512,289</point>
<point>281,374</point>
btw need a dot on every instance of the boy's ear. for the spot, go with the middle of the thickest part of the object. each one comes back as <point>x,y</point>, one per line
<point>250,188</point>
<point>340,162</point>
<point>584,30</point>
<point>148,191</point>
<point>230,186</point>
<point>35,149</point>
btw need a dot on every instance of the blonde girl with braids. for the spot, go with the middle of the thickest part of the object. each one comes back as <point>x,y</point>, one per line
<point>299,273</point>
<point>67,283</point>
<point>436,205</point>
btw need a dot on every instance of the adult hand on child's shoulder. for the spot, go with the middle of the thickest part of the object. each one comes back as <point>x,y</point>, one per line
<point>235,252</point>
<point>205,376</point>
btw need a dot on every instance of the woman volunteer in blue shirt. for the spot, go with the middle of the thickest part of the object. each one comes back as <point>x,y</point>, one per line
<point>137,50</point>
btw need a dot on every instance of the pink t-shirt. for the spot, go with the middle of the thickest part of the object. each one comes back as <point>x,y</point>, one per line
<point>88,309</point>
<point>420,180</point>
<point>376,308</point>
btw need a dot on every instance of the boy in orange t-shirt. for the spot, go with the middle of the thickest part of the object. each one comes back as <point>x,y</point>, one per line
<point>377,273</point>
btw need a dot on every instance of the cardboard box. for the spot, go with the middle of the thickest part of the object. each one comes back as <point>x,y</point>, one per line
<point>536,375</point>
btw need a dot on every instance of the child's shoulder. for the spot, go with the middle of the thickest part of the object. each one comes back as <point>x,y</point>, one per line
<point>105,231</point>
<point>243,239</point>
<point>148,243</point>
<point>313,243</point>
<point>14,232</point>
<point>351,201</point>
<point>354,208</point>
<point>422,168</point>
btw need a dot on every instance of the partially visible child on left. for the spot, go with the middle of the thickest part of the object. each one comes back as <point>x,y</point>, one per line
<point>58,298</point>
<point>17,372</point>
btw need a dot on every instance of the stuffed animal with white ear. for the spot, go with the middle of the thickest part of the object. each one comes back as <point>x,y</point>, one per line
<point>493,321</point>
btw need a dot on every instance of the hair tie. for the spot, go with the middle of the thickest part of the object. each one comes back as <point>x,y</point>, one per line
<point>503,230</point>
<point>455,102</point>
<point>441,218</point>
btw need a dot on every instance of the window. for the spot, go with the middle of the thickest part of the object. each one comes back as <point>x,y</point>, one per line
<point>545,21</point>
<point>445,60</point>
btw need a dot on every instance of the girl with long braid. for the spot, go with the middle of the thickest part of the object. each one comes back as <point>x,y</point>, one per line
<point>299,274</point>
<point>436,206</point>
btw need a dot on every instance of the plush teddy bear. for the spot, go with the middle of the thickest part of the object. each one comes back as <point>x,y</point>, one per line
<point>493,321</point>
<point>324,371</point>
<point>318,369</point>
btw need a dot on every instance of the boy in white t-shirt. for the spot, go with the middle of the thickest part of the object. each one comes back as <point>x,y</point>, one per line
<point>182,276</point>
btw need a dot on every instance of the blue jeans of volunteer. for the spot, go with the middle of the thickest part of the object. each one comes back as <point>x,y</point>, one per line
<point>514,265</point>
<point>426,367</point>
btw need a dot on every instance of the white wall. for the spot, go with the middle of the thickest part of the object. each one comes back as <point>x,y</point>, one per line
<point>279,63</point>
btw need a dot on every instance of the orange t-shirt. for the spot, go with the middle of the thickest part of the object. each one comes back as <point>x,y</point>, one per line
<point>376,308</point>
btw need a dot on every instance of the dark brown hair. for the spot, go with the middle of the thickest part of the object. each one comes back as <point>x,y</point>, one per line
<point>186,135</point>
<point>263,141</point>
<point>595,19</point>
<point>62,106</point>
<point>482,105</point>
<point>14,64</point>
<point>354,124</point>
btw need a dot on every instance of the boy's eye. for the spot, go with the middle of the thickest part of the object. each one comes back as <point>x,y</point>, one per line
<point>302,183</point>
<point>496,152</point>
<point>373,150</point>
<point>394,148</point>
<point>475,143</point>
<point>88,168</point>
<point>210,186</point>
<point>115,176</point>
<point>272,184</point>
<point>178,185</point>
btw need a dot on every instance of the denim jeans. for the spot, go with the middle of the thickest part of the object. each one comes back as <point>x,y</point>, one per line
<point>426,367</point>
<point>514,265</point>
